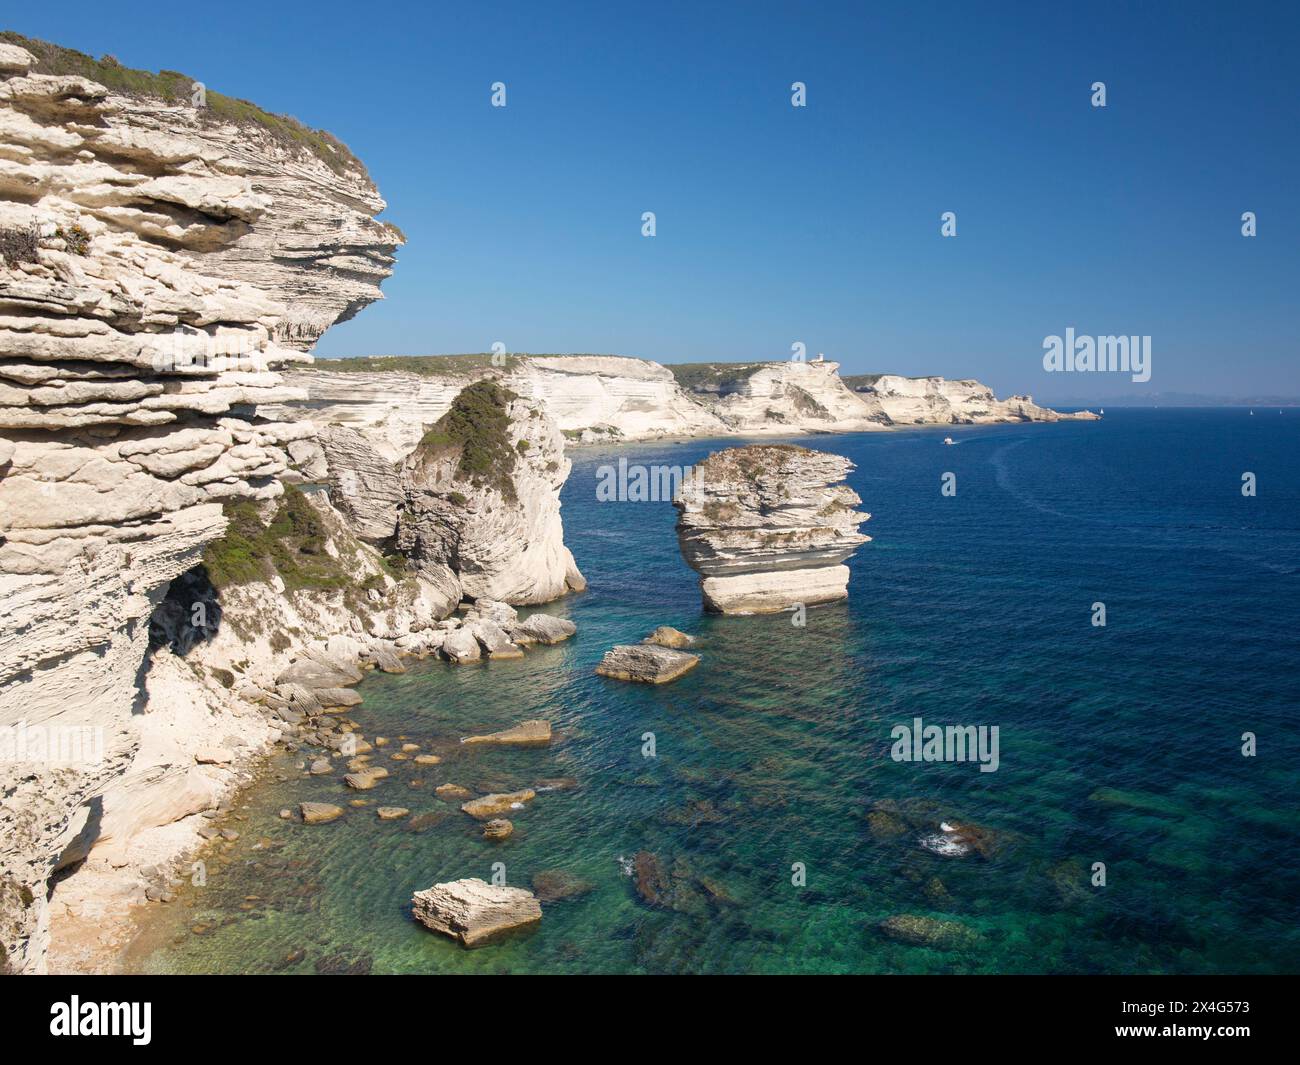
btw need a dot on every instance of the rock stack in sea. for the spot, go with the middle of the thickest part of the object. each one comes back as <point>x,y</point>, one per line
<point>769,527</point>
<point>482,500</point>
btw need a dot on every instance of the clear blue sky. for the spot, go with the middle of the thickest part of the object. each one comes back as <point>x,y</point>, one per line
<point>778,224</point>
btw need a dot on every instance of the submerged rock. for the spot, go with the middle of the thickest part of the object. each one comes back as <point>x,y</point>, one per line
<point>498,828</point>
<point>768,528</point>
<point>528,734</point>
<point>452,792</point>
<point>553,885</point>
<point>646,663</point>
<point>958,840</point>
<point>473,911</point>
<point>922,931</point>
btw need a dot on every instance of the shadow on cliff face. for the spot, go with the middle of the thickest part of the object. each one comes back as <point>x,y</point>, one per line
<point>78,848</point>
<point>189,614</point>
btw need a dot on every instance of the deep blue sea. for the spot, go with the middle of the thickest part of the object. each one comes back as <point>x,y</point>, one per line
<point>1119,744</point>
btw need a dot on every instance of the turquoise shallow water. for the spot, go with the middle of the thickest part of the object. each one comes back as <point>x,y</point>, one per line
<point>1119,745</point>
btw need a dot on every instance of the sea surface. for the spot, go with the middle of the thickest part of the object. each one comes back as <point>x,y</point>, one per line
<point>1119,745</point>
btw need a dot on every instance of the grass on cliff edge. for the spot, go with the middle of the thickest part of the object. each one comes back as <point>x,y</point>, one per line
<point>478,424</point>
<point>423,365</point>
<point>292,545</point>
<point>174,87</point>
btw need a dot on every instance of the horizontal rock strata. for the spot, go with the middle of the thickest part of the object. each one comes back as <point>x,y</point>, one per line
<point>601,398</point>
<point>473,911</point>
<point>646,663</point>
<point>161,264</point>
<point>768,528</point>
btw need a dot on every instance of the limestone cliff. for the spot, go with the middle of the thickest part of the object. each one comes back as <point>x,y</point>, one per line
<point>937,401</point>
<point>769,527</point>
<point>600,398</point>
<point>781,397</point>
<point>159,263</point>
<point>482,500</point>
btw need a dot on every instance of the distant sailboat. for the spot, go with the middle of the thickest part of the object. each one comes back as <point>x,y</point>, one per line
<point>948,440</point>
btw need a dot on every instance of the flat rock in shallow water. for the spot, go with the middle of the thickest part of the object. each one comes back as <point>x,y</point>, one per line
<point>317,813</point>
<point>646,663</point>
<point>528,734</point>
<point>473,911</point>
<point>491,805</point>
<point>392,813</point>
<point>922,931</point>
<point>365,779</point>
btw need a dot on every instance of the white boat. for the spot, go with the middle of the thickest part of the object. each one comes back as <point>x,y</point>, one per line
<point>949,440</point>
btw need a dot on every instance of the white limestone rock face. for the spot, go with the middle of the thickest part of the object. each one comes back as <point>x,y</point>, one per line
<point>605,398</point>
<point>363,484</point>
<point>768,527</point>
<point>788,397</point>
<point>176,262</point>
<point>590,397</point>
<point>938,401</point>
<point>487,509</point>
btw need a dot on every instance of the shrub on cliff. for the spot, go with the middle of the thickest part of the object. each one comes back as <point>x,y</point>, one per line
<point>478,426</point>
<point>20,244</point>
<point>292,545</point>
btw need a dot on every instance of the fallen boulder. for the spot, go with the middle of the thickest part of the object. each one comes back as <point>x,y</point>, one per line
<point>543,628</point>
<point>317,813</point>
<point>365,779</point>
<point>489,806</point>
<point>667,636</point>
<point>498,828</point>
<point>646,663</point>
<point>473,911</point>
<point>461,646</point>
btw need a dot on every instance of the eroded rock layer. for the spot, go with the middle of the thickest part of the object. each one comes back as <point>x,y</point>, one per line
<point>158,266</point>
<point>769,527</point>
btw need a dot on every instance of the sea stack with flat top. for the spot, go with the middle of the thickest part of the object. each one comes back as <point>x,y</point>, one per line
<point>769,527</point>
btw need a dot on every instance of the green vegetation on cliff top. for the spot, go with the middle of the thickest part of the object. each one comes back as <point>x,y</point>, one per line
<point>174,87</point>
<point>718,377</point>
<point>423,365</point>
<point>478,425</point>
